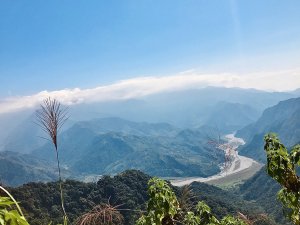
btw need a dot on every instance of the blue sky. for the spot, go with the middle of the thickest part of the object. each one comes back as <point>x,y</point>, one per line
<point>53,45</point>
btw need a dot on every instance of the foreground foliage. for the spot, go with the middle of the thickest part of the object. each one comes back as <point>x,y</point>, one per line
<point>128,190</point>
<point>163,208</point>
<point>281,166</point>
<point>8,213</point>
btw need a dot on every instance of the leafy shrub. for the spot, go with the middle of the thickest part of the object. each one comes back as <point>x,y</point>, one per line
<point>281,166</point>
<point>8,214</point>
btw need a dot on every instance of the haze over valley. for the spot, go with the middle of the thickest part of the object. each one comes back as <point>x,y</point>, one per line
<point>150,134</point>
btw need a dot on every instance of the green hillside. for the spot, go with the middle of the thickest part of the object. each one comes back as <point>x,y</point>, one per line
<point>129,190</point>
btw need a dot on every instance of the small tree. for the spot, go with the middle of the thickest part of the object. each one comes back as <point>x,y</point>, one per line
<point>281,166</point>
<point>50,117</point>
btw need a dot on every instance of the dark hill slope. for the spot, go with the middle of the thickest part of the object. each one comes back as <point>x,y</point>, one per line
<point>222,202</point>
<point>283,119</point>
<point>263,190</point>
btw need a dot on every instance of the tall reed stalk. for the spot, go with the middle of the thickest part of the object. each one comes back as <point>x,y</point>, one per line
<point>50,117</point>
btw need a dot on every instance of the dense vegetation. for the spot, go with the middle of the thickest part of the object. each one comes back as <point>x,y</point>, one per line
<point>10,211</point>
<point>41,201</point>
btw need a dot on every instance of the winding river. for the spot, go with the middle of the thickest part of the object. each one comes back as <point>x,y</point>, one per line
<point>236,169</point>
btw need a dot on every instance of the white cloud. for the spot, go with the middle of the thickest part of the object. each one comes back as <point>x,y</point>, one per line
<point>143,86</point>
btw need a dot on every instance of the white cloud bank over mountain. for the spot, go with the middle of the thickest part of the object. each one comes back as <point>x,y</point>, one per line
<point>143,86</point>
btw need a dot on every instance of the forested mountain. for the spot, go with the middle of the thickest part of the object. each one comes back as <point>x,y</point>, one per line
<point>17,169</point>
<point>95,147</point>
<point>116,124</point>
<point>283,119</point>
<point>229,117</point>
<point>128,189</point>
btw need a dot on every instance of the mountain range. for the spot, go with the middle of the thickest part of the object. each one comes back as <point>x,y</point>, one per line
<point>111,145</point>
<point>183,109</point>
<point>17,169</point>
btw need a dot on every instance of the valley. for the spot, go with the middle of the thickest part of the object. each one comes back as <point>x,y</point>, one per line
<point>237,169</point>
<point>96,152</point>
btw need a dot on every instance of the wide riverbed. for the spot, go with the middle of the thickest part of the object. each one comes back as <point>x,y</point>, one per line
<point>240,167</point>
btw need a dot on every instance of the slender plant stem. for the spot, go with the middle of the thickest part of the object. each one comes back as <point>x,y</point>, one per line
<point>60,184</point>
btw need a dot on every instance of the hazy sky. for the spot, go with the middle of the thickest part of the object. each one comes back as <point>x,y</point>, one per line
<point>55,45</point>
